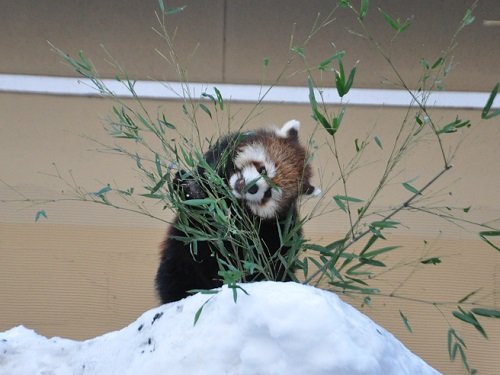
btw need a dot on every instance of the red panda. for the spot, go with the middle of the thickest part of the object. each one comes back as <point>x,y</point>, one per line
<point>265,171</point>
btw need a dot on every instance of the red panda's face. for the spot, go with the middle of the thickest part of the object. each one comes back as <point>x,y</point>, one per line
<point>270,172</point>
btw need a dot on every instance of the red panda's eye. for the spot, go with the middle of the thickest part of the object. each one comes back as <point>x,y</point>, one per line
<point>262,170</point>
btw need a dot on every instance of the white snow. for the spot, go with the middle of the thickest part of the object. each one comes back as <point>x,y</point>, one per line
<point>279,328</point>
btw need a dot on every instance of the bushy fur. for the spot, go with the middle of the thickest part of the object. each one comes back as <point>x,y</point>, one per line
<point>266,170</point>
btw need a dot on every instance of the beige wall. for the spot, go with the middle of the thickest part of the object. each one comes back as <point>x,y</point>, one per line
<point>235,36</point>
<point>90,269</point>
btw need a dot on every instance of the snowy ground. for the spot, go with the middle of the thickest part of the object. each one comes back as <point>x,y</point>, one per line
<point>279,328</point>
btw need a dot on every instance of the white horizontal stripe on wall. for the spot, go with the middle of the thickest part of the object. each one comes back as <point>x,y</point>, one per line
<point>33,84</point>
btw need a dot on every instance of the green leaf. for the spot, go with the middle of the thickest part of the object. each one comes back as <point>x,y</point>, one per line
<point>359,146</point>
<point>340,204</point>
<point>372,262</point>
<point>323,65</point>
<point>344,4</point>
<point>349,199</point>
<point>486,114</point>
<point>299,51</point>
<point>40,214</point>
<point>350,80</point>
<point>411,188</point>
<point>490,233</point>
<point>163,122</point>
<point>199,311</point>
<point>424,63</point>
<point>469,318</point>
<point>396,23</point>
<point>158,165</point>
<point>159,184</point>
<point>205,109</point>
<point>378,142</point>
<point>405,25</point>
<point>103,191</point>
<point>385,224</point>
<point>340,199</point>
<point>405,321</point>
<point>468,18</point>
<point>346,285</point>
<point>453,126</point>
<point>220,100</point>
<point>209,96</point>
<point>363,9</point>
<point>266,61</point>
<point>489,313</point>
<point>199,202</point>
<point>469,295</point>
<point>162,6</point>
<point>390,21</point>
<point>171,11</point>
<point>337,120</point>
<point>340,80</point>
<point>438,62</point>
<point>434,261</point>
<point>374,253</point>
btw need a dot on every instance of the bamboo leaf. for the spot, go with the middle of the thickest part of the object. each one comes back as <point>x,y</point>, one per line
<point>323,65</point>
<point>385,224</point>
<point>159,184</point>
<point>103,191</point>
<point>363,9</point>
<point>453,126</point>
<point>158,164</point>
<point>406,322</point>
<point>486,114</point>
<point>378,142</point>
<point>40,214</point>
<point>199,202</point>
<point>171,11</point>
<point>411,188</point>
<point>493,233</point>
<point>468,18</point>
<point>489,313</point>
<point>349,199</point>
<point>438,62</point>
<point>374,253</point>
<point>372,262</point>
<point>340,204</point>
<point>389,20</point>
<point>299,51</point>
<point>469,318</point>
<point>469,295</point>
<point>220,99</point>
<point>205,109</point>
<point>350,80</point>
<point>434,261</point>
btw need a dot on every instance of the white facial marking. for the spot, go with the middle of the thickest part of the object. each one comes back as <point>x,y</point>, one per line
<point>232,184</point>
<point>250,153</point>
<point>268,209</point>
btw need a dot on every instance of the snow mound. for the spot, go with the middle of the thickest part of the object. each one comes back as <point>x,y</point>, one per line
<point>278,328</point>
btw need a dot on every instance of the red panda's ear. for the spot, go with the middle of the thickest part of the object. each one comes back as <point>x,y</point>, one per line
<point>308,189</point>
<point>289,130</point>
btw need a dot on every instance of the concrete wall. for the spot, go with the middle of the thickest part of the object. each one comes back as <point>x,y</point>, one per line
<point>89,269</point>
